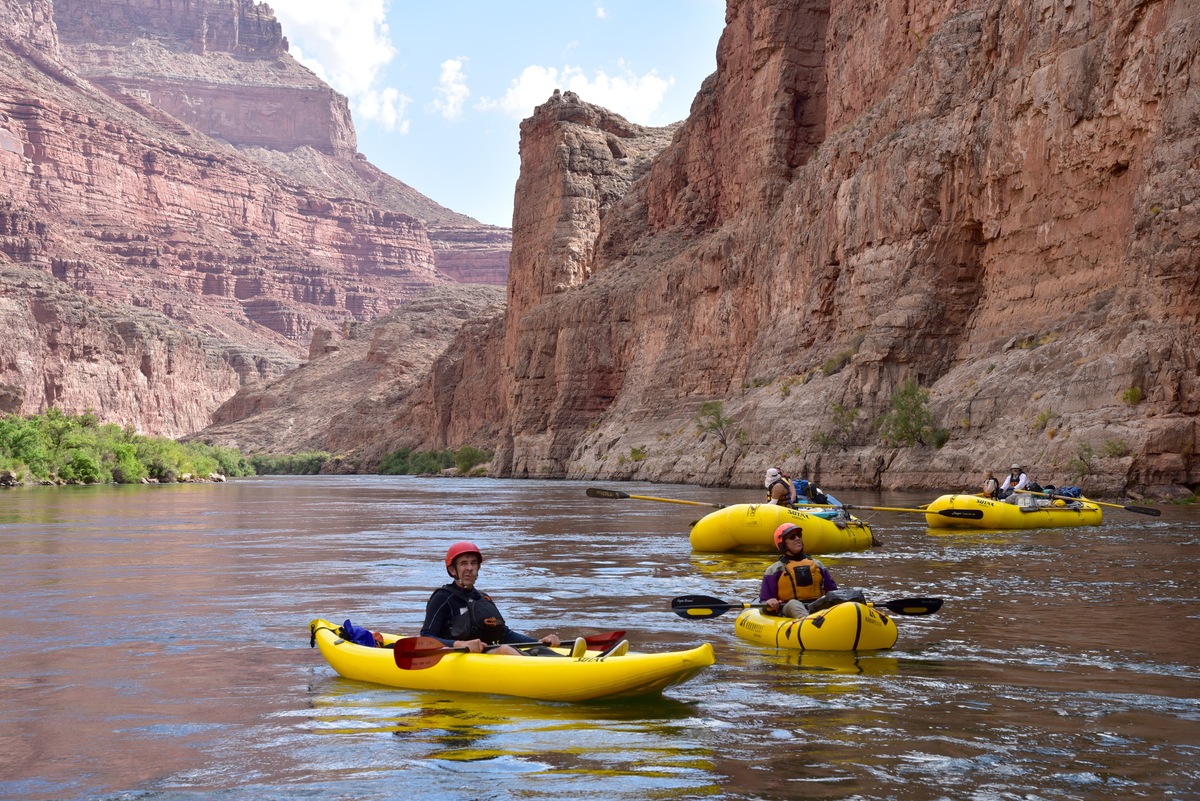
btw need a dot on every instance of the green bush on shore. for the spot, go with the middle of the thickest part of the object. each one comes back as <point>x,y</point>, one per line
<point>406,462</point>
<point>78,449</point>
<point>290,464</point>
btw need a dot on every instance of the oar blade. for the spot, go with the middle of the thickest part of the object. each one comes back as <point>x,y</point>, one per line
<point>913,606</point>
<point>418,653</point>
<point>701,606</point>
<point>407,662</point>
<point>961,514</point>
<point>1144,510</point>
<point>597,492</point>
<point>602,641</point>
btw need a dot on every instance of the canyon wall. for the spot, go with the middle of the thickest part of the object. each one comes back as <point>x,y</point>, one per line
<point>219,67</point>
<point>353,380</point>
<point>995,200</point>
<point>139,367</point>
<point>170,157</point>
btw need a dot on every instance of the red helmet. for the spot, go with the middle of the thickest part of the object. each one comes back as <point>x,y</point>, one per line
<point>458,549</point>
<point>783,531</point>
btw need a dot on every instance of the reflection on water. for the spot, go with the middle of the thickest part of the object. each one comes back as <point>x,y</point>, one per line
<point>156,646</point>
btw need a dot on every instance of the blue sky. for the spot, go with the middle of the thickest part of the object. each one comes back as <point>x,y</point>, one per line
<point>438,90</point>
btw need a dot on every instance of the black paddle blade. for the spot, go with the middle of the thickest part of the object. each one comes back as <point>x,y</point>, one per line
<point>961,514</point>
<point>1144,510</point>
<point>596,492</point>
<point>701,606</point>
<point>913,606</point>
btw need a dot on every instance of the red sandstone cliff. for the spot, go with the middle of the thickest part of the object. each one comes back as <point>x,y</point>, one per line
<point>354,379</point>
<point>169,156</point>
<point>136,365</point>
<point>994,199</point>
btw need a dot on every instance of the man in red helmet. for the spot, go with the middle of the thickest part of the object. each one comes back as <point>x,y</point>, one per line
<point>463,617</point>
<point>796,579</point>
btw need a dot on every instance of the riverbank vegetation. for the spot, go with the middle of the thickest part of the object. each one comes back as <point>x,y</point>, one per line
<point>57,448</point>
<point>466,460</point>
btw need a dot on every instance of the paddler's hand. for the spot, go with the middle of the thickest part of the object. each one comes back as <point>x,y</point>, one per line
<point>552,640</point>
<point>773,605</point>
<point>474,646</point>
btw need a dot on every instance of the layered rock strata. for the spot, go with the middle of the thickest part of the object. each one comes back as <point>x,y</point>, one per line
<point>172,157</point>
<point>136,367</point>
<point>353,381</point>
<point>218,67</point>
<point>994,200</point>
<point>578,160</point>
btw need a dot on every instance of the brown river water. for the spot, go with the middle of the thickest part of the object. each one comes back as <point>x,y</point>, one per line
<point>155,646</point>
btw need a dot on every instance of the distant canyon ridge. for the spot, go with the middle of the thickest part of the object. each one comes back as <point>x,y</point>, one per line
<point>994,200</point>
<point>196,198</point>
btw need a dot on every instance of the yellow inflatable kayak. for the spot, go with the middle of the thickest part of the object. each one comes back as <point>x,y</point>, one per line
<point>751,526</point>
<point>848,626</point>
<point>1029,513</point>
<point>544,678</point>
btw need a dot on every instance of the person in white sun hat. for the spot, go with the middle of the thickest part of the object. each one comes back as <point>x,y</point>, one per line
<point>1014,481</point>
<point>780,489</point>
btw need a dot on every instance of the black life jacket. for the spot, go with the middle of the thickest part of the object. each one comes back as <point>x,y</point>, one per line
<point>475,616</point>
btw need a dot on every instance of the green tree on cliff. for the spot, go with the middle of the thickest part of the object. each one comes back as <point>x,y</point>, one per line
<point>712,420</point>
<point>910,422</point>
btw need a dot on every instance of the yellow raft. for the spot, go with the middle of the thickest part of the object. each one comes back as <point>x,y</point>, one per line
<point>543,678</point>
<point>848,626</point>
<point>1030,513</point>
<point>751,526</point>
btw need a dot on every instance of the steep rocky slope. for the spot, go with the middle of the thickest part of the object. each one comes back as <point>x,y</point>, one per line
<point>136,365</point>
<point>993,199</point>
<point>354,379</point>
<point>173,158</point>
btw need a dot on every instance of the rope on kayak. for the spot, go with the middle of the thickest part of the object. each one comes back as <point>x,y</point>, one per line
<point>338,632</point>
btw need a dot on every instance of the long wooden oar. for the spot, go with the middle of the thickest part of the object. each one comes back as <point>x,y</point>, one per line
<point>961,514</point>
<point>704,606</point>
<point>418,653</point>
<point>596,492</point>
<point>1141,510</point>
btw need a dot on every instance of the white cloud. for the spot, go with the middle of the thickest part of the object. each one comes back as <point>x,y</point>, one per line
<point>347,44</point>
<point>531,89</point>
<point>386,107</point>
<point>632,96</point>
<point>452,91</point>
<point>601,13</point>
